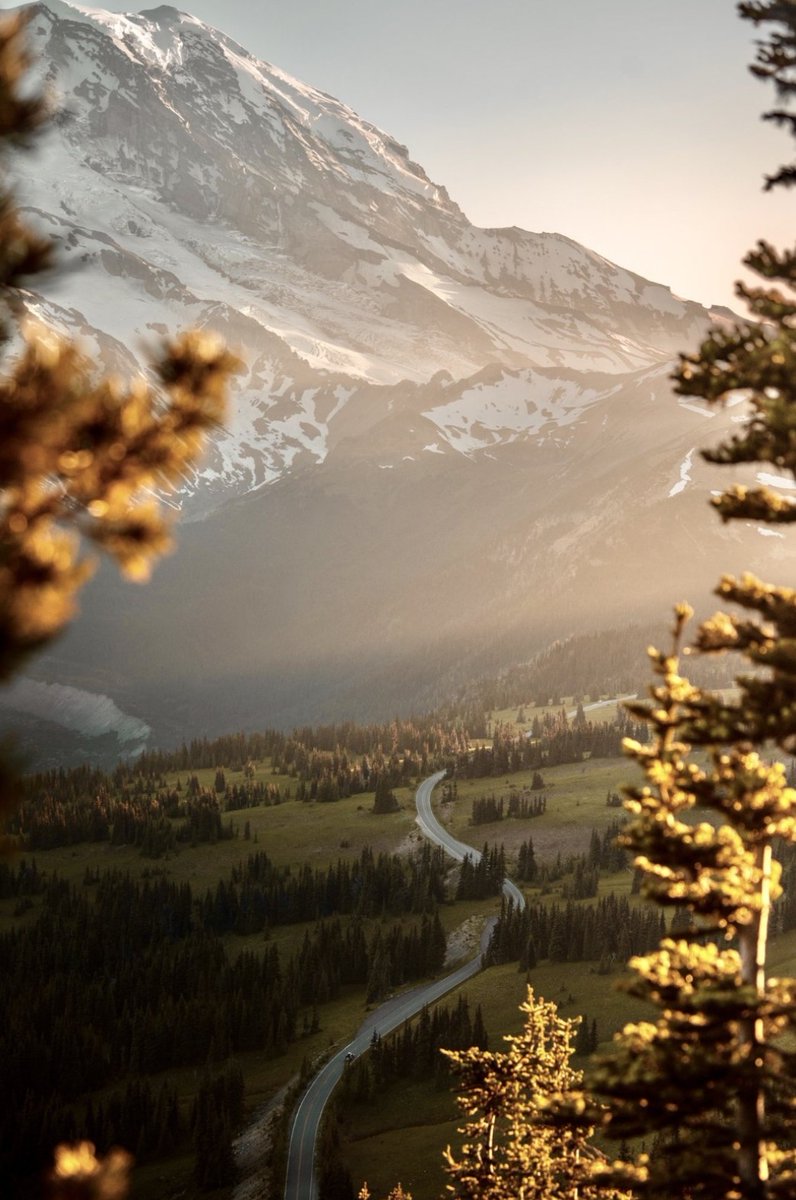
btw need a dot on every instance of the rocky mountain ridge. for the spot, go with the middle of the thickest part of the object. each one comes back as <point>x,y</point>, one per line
<point>197,185</point>
<point>447,445</point>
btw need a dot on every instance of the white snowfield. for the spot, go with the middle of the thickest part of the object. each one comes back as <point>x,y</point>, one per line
<point>190,184</point>
<point>685,474</point>
<point>514,406</point>
<point>89,713</point>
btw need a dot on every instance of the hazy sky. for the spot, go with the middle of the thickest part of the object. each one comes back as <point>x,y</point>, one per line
<point>631,125</point>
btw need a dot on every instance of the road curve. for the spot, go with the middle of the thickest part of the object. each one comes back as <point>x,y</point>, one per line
<point>617,700</point>
<point>431,828</point>
<point>301,1179</point>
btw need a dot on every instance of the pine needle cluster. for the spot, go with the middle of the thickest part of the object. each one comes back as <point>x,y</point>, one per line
<point>514,1147</point>
<point>83,458</point>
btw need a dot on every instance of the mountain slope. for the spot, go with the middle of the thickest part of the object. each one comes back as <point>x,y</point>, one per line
<point>197,185</point>
<point>447,443</point>
<point>362,586</point>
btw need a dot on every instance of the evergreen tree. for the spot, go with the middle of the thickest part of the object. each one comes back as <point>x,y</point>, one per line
<point>512,1149</point>
<point>384,800</point>
<point>215,1164</point>
<point>712,1073</point>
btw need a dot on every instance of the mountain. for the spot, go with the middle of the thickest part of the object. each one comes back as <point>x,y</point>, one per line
<point>195,185</point>
<point>447,444</point>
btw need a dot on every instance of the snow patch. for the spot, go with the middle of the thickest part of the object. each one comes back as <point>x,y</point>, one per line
<point>785,482</point>
<point>701,411</point>
<point>685,474</point>
<point>515,406</point>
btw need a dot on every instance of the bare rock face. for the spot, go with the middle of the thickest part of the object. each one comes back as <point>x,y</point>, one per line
<point>447,443</point>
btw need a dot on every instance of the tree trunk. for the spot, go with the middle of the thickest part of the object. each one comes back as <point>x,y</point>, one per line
<point>753,938</point>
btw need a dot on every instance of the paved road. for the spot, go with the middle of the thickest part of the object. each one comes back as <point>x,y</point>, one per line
<point>431,828</point>
<point>617,700</point>
<point>301,1181</point>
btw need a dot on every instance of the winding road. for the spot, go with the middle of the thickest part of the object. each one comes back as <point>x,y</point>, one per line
<point>301,1182</point>
<point>431,828</point>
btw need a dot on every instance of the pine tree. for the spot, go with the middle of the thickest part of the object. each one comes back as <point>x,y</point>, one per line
<point>384,800</point>
<point>712,1073</point>
<point>709,1068</point>
<point>512,1149</point>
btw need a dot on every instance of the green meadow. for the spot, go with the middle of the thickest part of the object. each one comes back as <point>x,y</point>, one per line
<point>576,803</point>
<point>402,1137</point>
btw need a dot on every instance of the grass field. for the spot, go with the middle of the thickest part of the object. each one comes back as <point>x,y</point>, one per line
<point>605,712</point>
<point>576,804</point>
<point>403,1138</point>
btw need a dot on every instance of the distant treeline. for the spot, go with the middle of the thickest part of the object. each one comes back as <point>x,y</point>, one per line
<point>558,741</point>
<point>609,931</point>
<point>154,821</point>
<point>425,738</point>
<point>610,663</point>
<point>136,805</point>
<point>259,894</point>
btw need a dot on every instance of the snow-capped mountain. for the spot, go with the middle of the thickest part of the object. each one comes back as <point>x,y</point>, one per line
<point>195,185</point>
<point>445,438</point>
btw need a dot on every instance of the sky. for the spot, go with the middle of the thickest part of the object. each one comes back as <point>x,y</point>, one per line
<point>633,126</point>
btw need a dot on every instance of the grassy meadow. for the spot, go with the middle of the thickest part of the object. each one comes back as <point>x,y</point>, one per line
<point>294,833</point>
<point>576,804</point>
<point>402,1137</point>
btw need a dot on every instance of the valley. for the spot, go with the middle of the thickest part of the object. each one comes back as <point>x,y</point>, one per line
<point>298,836</point>
<point>231,815</point>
